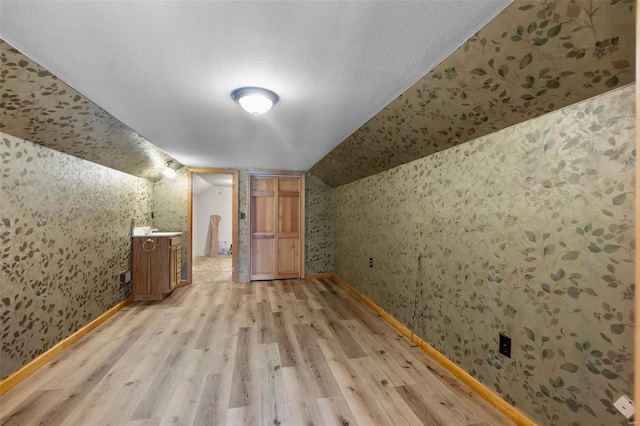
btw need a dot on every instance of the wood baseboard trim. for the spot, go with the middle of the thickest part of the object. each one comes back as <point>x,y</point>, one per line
<point>38,362</point>
<point>244,280</point>
<point>318,276</point>
<point>489,395</point>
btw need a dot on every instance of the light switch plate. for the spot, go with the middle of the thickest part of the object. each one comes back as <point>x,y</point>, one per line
<point>625,406</point>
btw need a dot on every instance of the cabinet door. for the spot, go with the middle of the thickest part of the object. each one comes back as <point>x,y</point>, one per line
<point>175,265</point>
<point>141,267</point>
<point>159,259</point>
<point>147,271</point>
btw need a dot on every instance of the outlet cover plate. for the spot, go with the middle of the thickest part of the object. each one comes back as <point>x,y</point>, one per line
<point>125,276</point>
<point>505,345</point>
<point>625,406</point>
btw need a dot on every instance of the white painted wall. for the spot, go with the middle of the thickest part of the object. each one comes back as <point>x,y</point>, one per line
<point>216,200</point>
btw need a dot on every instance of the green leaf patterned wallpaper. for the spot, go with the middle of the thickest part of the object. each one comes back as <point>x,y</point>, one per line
<point>533,58</point>
<point>37,106</point>
<point>65,236</point>
<point>170,208</point>
<point>318,226</point>
<point>527,231</point>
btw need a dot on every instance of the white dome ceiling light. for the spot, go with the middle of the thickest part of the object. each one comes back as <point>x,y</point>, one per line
<point>255,100</point>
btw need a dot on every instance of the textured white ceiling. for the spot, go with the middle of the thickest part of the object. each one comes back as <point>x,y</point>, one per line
<point>204,181</point>
<point>199,185</point>
<point>166,68</point>
<point>216,179</point>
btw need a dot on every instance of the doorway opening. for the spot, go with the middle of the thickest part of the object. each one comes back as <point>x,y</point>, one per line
<point>212,226</point>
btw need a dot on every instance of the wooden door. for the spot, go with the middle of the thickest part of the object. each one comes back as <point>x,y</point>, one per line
<point>277,231</point>
<point>263,228</point>
<point>288,235</point>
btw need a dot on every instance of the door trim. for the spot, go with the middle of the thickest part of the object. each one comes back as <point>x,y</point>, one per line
<point>234,215</point>
<point>278,173</point>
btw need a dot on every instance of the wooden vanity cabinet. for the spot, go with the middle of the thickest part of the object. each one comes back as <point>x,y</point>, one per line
<point>157,266</point>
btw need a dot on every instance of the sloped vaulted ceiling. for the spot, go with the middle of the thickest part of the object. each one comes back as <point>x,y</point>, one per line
<point>534,57</point>
<point>167,68</point>
<point>37,106</point>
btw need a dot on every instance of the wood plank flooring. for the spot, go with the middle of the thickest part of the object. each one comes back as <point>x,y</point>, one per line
<point>292,352</point>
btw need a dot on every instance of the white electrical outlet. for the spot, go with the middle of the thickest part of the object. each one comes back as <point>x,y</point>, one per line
<point>625,406</point>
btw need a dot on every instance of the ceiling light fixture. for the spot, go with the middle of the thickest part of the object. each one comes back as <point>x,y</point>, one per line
<point>168,170</point>
<point>255,100</point>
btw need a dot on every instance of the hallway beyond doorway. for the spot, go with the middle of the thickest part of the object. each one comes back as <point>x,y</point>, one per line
<point>211,270</point>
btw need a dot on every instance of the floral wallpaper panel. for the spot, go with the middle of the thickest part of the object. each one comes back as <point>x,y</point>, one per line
<point>529,232</point>
<point>37,106</point>
<point>65,236</point>
<point>170,208</point>
<point>318,226</point>
<point>533,58</point>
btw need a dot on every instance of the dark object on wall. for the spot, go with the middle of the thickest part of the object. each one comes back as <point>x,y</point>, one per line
<point>505,345</point>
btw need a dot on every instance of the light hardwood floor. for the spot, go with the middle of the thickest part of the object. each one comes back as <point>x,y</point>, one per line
<point>298,352</point>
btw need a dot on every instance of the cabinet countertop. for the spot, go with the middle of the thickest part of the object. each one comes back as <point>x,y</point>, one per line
<point>160,234</point>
